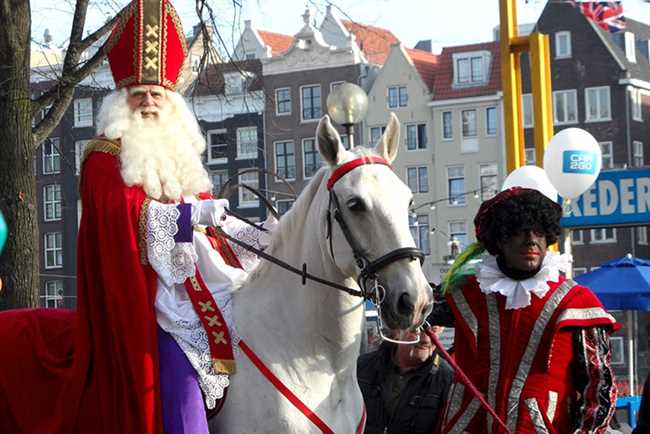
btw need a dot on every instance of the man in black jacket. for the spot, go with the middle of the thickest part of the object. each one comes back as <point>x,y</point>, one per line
<point>405,386</point>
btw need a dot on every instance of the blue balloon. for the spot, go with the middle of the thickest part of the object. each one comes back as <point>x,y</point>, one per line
<point>3,231</point>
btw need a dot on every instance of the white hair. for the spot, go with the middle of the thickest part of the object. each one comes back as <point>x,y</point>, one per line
<point>163,154</point>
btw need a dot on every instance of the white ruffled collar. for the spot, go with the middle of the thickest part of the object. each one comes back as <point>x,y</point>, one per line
<point>517,292</point>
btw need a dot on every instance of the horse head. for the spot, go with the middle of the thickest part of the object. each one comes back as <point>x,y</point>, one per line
<point>370,235</point>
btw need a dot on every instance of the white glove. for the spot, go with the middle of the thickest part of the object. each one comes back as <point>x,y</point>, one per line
<point>209,212</point>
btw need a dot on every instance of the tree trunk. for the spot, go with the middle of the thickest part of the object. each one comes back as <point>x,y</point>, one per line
<point>19,263</point>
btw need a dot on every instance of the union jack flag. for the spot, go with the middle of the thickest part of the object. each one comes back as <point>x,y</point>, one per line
<point>607,15</point>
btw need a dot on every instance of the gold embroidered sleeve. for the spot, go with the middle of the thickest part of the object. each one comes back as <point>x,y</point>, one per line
<point>142,235</point>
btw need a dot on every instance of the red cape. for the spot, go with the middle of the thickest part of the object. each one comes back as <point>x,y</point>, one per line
<point>95,371</point>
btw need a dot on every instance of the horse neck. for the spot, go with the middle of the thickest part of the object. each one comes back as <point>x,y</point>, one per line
<point>297,320</point>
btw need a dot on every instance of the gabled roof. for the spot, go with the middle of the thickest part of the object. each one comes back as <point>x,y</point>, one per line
<point>212,81</point>
<point>425,63</point>
<point>374,41</point>
<point>443,87</point>
<point>278,42</point>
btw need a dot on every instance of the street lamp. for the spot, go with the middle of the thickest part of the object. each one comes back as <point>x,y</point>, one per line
<point>347,104</point>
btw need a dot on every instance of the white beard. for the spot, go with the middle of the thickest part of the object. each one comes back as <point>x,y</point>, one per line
<point>163,154</point>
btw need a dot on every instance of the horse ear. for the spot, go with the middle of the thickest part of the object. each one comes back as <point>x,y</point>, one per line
<point>329,142</point>
<point>389,142</point>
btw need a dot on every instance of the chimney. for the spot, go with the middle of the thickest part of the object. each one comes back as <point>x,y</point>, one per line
<point>424,45</point>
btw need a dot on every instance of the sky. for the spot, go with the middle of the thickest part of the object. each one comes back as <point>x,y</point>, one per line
<point>447,22</point>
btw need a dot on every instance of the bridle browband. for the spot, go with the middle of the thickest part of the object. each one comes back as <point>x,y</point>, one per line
<point>368,269</point>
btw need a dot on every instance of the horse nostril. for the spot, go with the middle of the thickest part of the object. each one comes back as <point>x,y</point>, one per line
<point>405,305</point>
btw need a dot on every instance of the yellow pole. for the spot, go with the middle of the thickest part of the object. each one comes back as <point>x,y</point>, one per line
<point>540,75</point>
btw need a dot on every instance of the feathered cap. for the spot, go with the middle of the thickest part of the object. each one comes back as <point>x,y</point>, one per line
<point>147,45</point>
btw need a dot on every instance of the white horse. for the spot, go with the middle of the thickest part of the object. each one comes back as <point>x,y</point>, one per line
<point>309,335</point>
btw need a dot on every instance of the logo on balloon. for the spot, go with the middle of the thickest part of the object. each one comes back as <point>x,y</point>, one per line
<point>583,162</point>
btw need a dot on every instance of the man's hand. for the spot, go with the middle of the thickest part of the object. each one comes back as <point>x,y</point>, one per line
<point>209,212</point>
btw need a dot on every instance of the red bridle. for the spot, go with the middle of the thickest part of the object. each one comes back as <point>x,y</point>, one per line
<point>339,172</point>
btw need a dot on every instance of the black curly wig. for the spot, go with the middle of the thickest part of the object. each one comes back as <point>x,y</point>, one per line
<point>525,210</point>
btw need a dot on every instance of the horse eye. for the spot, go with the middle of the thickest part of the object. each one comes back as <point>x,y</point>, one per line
<point>356,205</point>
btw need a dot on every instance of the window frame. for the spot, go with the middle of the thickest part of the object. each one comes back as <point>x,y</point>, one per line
<point>482,176</point>
<point>220,173</point>
<point>620,343</point>
<point>54,156</point>
<point>462,124</point>
<point>524,98</point>
<point>609,155</point>
<point>255,203</point>
<point>565,93</point>
<point>82,119</point>
<point>219,160</point>
<point>419,186</point>
<point>423,241</point>
<point>452,232</point>
<point>637,152</point>
<point>481,58</point>
<point>569,53</point>
<point>530,161</point>
<point>278,102</point>
<point>314,151</point>
<point>400,91</point>
<point>636,96</point>
<point>275,160</point>
<point>316,116</point>
<point>451,125</point>
<point>289,201</point>
<point>247,156</point>
<point>56,204</point>
<point>418,145</point>
<point>56,298</point>
<point>599,117</point>
<point>462,201</point>
<point>577,240</point>
<point>642,235</point>
<point>604,240</point>
<point>57,250</point>
<point>487,122</point>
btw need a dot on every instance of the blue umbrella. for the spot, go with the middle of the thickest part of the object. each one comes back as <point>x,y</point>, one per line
<point>621,284</point>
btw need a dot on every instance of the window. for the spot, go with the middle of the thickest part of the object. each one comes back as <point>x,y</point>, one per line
<point>283,101</point>
<point>456,185</point>
<point>345,141</point>
<point>310,157</point>
<point>52,202</point>
<point>637,104</point>
<point>447,126</point>
<point>285,160</point>
<point>562,45</point>
<point>603,235</point>
<point>51,156</point>
<point>375,134</point>
<point>630,47</point>
<point>527,107</point>
<point>606,151</point>
<point>565,107</point>
<point>397,97</point>
<point>218,178</point>
<point>577,271</point>
<point>247,142</point>
<point>217,147</point>
<point>283,206</point>
<point>469,68</point>
<point>488,180</point>
<point>416,137</point>
<point>469,123</point>
<point>83,112</point>
<point>458,232</point>
<point>618,350</point>
<point>418,179</point>
<point>642,235</point>
<point>530,156</point>
<point>246,198</point>
<point>53,294</point>
<point>234,84</point>
<point>597,106</point>
<point>637,153</point>
<point>310,102</point>
<point>334,85</point>
<point>576,236</point>
<point>491,121</point>
<point>420,231</point>
<point>53,250</point>
<point>79,148</point>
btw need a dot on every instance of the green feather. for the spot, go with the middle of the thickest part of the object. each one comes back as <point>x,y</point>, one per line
<point>462,268</point>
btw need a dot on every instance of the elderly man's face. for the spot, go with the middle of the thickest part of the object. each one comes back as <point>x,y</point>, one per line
<point>525,250</point>
<point>412,355</point>
<point>147,100</point>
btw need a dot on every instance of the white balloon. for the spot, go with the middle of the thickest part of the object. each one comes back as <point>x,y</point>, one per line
<point>572,161</point>
<point>531,177</point>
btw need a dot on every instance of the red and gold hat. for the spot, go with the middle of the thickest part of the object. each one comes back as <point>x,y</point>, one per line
<point>147,45</point>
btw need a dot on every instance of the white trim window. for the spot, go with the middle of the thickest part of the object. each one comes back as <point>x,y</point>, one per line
<point>456,185</point>
<point>285,159</point>
<point>527,108</point>
<point>565,107</point>
<point>53,250</point>
<point>397,96</point>
<point>531,158</point>
<point>419,227</point>
<point>642,235</point>
<point>311,160</point>
<point>618,350</point>
<point>471,69</point>
<point>637,154</point>
<point>83,112</point>
<point>488,181</point>
<point>630,46</point>
<point>375,134</point>
<point>51,150</point>
<point>418,179</point>
<point>637,104</point>
<point>597,104</point>
<point>416,137</point>
<point>334,85</point>
<point>283,101</point>
<point>577,236</point>
<point>491,121</point>
<point>246,198</point>
<point>283,205</point>
<point>79,148</point>
<point>447,125</point>
<point>217,146</point>
<point>310,102</point>
<point>53,294</point>
<point>606,151</point>
<point>234,84</point>
<point>247,143</point>
<point>563,44</point>
<point>218,179</point>
<point>603,235</point>
<point>469,128</point>
<point>458,232</point>
<point>52,202</point>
